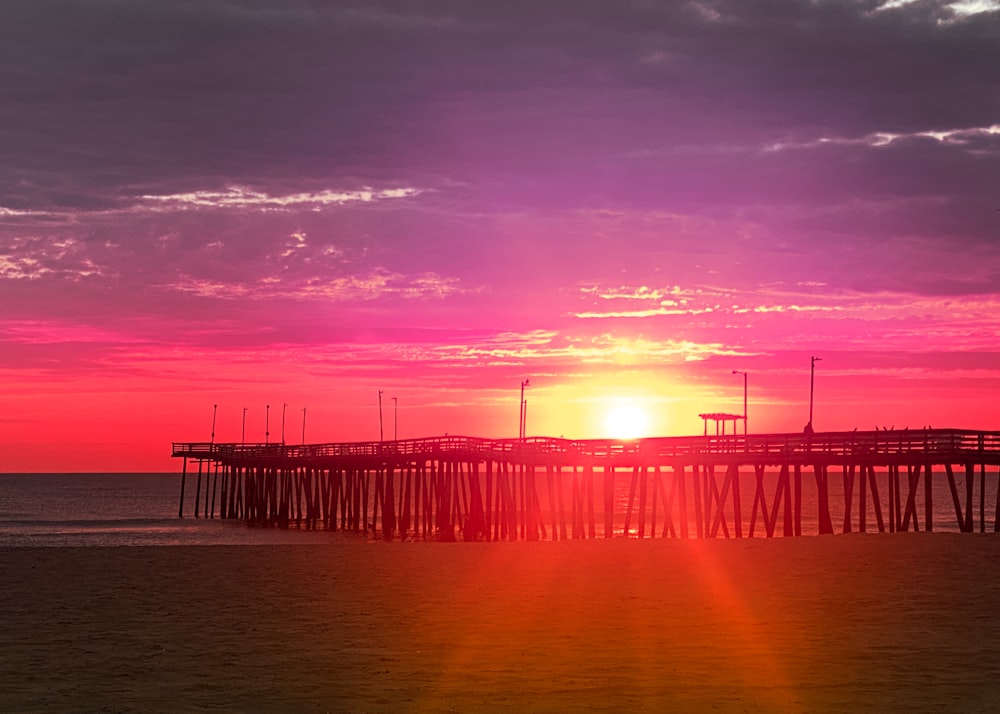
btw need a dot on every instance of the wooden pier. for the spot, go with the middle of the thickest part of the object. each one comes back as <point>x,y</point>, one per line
<point>466,488</point>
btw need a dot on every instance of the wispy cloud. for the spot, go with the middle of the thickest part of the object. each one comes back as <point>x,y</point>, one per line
<point>236,197</point>
<point>374,285</point>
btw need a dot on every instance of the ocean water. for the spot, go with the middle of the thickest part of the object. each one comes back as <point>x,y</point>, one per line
<point>119,510</point>
<point>141,509</point>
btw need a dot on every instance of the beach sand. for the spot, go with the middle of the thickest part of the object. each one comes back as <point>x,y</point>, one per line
<point>905,622</point>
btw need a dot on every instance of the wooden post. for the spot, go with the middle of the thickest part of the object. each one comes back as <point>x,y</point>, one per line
<point>224,492</point>
<point>789,530</point>
<point>389,505</point>
<point>737,506</point>
<point>928,499</point>
<point>848,495</point>
<point>530,515</point>
<point>184,471</point>
<point>959,518</point>
<point>631,499</point>
<point>982,495</point>
<point>720,497</point>
<point>643,488</point>
<point>910,511</point>
<point>823,498</point>
<point>970,478</point>
<point>798,499</point>
<point>560,487</point>
<point>758,499</point>
<point>862,497</point>
<point>609,501</point>
<point>668,503</point>
<point>550,486</point>
<point>475,524</point>
<point>512,512</point>
<point>208,474</point>
<point>215,483</point>
<point>197,489</point>
<point>698,516</point>
<point>588,495</point>
<point>876,501</point>
<point>682,500</point>
<point>996,512</point>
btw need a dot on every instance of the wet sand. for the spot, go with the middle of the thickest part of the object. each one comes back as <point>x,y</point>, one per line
<point>841,623</point>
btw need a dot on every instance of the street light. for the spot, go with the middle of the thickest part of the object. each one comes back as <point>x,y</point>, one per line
<point>215,409</point>
<point>303,426</point>
<point>395,418</point>
<point>522,426</point>
<point>736,371</point>
<point>243,434</point>
<point>267,424</point>
<point>380,415</point>
<point>284,406</point>
<point>812,382</point>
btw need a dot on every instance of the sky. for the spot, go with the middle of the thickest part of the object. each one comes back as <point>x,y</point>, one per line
<point>212,206</point>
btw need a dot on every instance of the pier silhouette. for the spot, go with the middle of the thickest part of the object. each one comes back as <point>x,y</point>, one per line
<point>468,488</point>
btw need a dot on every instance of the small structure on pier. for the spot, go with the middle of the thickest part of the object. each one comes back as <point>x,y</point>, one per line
<point>721,419</point>
<point>467,488</point>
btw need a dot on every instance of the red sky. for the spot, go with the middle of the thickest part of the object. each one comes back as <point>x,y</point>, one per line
<point>243,204</point>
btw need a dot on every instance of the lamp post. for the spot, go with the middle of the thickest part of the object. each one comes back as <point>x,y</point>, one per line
<point>812,383</point>
<point>522,426</point>
<point>243,434</point>
<point>303,426</point>
<point>380,415</point>
<point>284,406</point>
<point>736,371</point>
<point>215,409</point>
<point>267,424</point>
<point>395,418</point>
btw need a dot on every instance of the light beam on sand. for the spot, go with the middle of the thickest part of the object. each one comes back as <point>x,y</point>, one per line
<point>746,630</point>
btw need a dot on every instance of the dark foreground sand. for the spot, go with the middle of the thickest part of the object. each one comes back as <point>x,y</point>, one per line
<point>906,622</point>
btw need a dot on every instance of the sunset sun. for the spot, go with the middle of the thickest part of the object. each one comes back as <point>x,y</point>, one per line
<point>626,421</point>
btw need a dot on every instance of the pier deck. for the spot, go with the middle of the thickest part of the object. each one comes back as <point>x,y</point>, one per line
<point>469,488</point>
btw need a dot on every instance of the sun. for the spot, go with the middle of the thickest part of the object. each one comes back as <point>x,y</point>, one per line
<point>626,421</point>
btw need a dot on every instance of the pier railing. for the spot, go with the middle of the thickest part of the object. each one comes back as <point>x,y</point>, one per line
<point>772,448</point>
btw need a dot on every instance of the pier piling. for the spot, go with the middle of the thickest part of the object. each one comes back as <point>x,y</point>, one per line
<point>464,488</point>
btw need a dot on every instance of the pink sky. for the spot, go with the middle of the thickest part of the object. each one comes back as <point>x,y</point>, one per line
<point>242,204</point>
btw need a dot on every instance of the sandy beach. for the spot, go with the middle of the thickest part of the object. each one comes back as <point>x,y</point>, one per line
<point>842,623</point>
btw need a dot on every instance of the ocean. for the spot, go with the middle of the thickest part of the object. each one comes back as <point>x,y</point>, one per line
<point>129,509</point>
<point>119,509</point>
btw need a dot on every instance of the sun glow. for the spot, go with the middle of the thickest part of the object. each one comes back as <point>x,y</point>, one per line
<point>626,421</point>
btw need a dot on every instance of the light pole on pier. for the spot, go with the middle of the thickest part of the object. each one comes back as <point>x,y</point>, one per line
<point>215,409</point>
<point>303,426</point>
<point>267,424</point>
<point>284,406</point>
<point>243,434</point>
<point>380,415</point>
<point>523,416</point>
<point>395,418</point>
<point>812,383</point>
<point>745,429</point>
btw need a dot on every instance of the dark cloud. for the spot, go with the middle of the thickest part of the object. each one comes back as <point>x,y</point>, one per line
<point>519,122</point>
<point>208,92</point>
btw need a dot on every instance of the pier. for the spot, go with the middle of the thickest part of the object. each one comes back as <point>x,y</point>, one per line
<point>732,486</point>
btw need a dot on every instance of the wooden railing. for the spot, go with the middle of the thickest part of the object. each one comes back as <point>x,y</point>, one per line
<point>932,443</point>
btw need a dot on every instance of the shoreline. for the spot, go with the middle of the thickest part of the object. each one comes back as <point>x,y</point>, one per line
<point>834,623</point>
